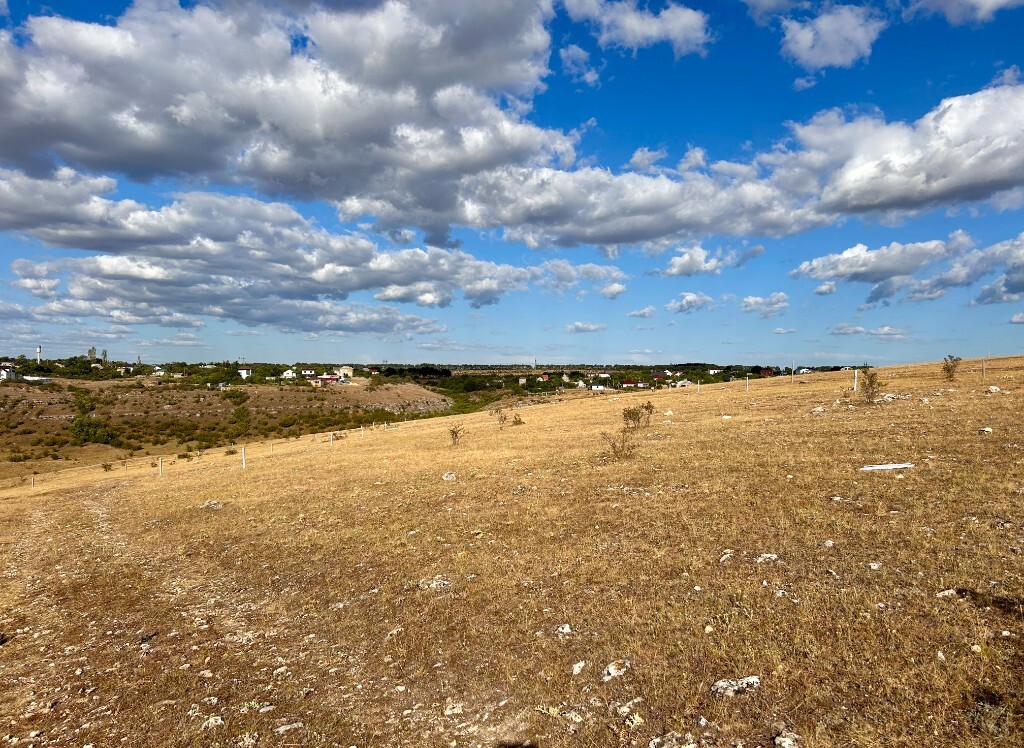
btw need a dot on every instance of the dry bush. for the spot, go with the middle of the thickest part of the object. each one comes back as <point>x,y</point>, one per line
<point>950,364</point>
<point>870,386</point>
<point>622,444</point>
<point>455,432</point>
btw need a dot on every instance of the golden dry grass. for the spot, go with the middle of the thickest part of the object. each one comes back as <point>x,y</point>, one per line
<point>350,594</point>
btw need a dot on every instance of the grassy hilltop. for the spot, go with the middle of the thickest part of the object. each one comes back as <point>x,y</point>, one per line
<point>555,583</point>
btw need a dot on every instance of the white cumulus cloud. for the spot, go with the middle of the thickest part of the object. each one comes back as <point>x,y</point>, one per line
<point>622,23</point>
<point>765,307</point>
<point>838,37</point>
<point>687,302</point>
<point>965,11</point>
<point>583,327</point>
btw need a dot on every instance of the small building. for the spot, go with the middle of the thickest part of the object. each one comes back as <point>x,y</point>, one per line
<point>597,387</point>
<point>309,372</point>
<point>125,369</point>
<point>712,372</point>
<point>345,372</point>
<point>643,386</point>
<point>159,371</point>
<point>522,380</point>
<point>767,372</point>
<point>288,374</point>
<point>245,372</point>
<point>628,384</point>
<point>7,372</point>
<point>804,370</point>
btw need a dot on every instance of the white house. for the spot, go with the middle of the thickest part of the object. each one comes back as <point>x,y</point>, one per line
<point>345,372</point>
<point>288,374</point>
<point>159,371</point>
<point>7,373</point>
<point>309,372</point>
<point>715,371</point>
<point>805,370</point>
<point>245,372</point>
<point>597,387</point>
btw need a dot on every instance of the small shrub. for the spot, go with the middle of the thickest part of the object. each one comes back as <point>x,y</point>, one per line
<point>502,417</point>
<point>517,420</point>
<point>230,451</point>
<point>185,456</point>
<point>949,366</point>
<point>456,432</point>
<point>638,416</point>
<point>107,467</point>
<point>620,445</point>
<point>870,386</point>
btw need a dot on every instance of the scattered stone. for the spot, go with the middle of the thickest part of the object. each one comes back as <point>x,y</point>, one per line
<point>709,629</point>
<point>448,476</point>
<point>787,739</point>
<point>248,740</point>
<point>946,593</point>
<point>767,557</point>
<point>819,409</point>
<point>726,418</point>
<point>212,722</point>
<point>669,413</point>
<point>626,709</point>
<point>985,430</point>
<point>578,667</point>
<point>453,709</point>
<point>874,566</point>
<point>731,687</point>
<point>288,728</point>
<point>615,669</point>
<point>976,648</point>
<point>890,466</point>
<point>564,630</point>
<point>634,720</point>
<point>394,632</point>
<point>205,673</point>
<point>993,389</point>
<point>829,543</point>
<point>726,556</point>
<point>672,740</point>
<point>439,583</point>
<point>211,504</point>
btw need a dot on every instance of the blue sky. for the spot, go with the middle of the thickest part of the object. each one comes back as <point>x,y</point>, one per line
<point>737,181</point>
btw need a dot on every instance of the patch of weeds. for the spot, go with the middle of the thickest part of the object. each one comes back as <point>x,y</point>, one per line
<point>456,431</point>
<point>621,445</point>
<point>517,420</point>
<point>950,364</point>
<point>870,386</point>
<point>638,416</point>
<point>230,451</point>
<point>502,415</point>
<point>107,467</point>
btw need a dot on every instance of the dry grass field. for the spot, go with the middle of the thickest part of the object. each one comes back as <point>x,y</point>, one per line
<point>348,594</point>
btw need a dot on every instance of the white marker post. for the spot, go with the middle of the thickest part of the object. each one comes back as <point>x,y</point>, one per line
<point>855,373</point>
<point>332,438</point>
<point>748,384</point>
<point>243,458</point>
<point>161,466</point>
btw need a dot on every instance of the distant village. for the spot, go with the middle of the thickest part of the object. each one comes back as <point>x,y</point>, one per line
<point>96,366</point>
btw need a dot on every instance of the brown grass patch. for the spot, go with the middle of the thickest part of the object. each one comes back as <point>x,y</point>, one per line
<point>354,590</point>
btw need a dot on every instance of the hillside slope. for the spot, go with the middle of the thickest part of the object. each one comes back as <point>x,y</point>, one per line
<point>525,587</point>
